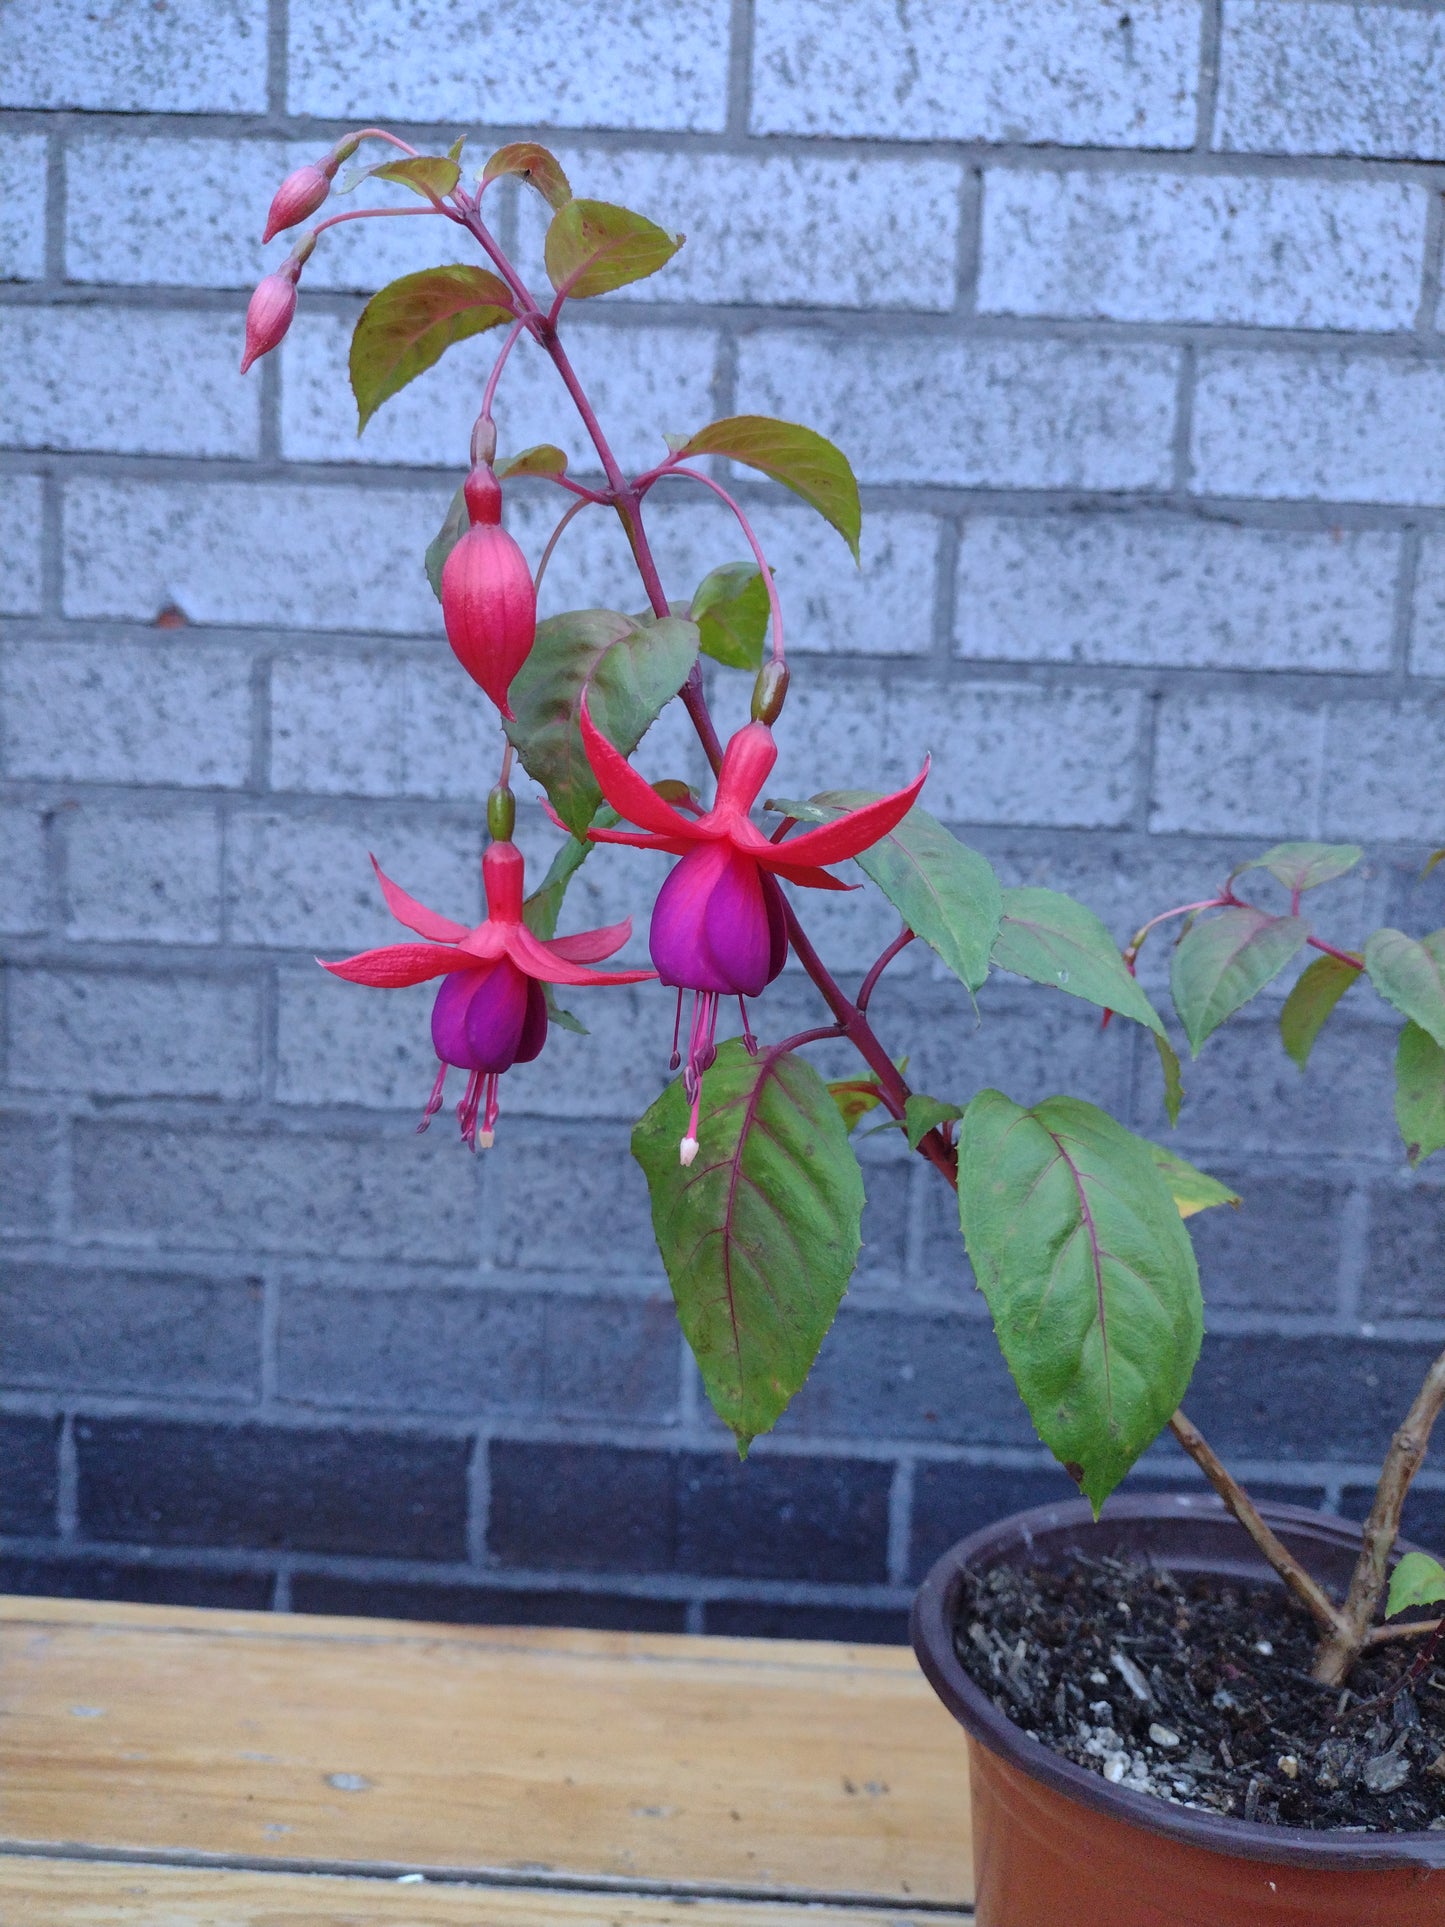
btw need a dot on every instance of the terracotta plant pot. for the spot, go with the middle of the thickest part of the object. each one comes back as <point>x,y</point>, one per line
<point>1057,1846</point>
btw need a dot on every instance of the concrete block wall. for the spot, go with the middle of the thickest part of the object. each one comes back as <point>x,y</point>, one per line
<point>1129,319</point>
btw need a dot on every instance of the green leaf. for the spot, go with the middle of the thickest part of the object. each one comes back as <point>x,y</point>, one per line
<point>454,152</point>
<point>922,1114</point>
<point>408,326</point>
<point>627,670</point>
<point>799,458</point>
<point>1411,976</point>
<point>534,164</point>
<point>945,892</point>
<point>1077,1245</point>
<point>1315,994</point>
<point>1420,1093</point>
<point>1052,939</point>
<point>454,526</point>
<point>544,459</point>
<point>731,611</point>
<point>1191,1189</point>
<point>760,1233</point>
<point>1173,1078</point>
<point>593,247</point>
<point>1435,856</point>
<point>433,176</point>
<point>855,1098</point>
<point>1418,1580</point>
<point>1222,961</point>
<point>1304,866</point>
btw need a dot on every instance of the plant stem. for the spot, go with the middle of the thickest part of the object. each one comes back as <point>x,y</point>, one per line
<point>1345,956</point>
<point>869,983</point>
<point>490,391</point>
<point>552,540</point>
<point>1308,1591</point>
<point>774,605</point>
<point>1337,1654</point>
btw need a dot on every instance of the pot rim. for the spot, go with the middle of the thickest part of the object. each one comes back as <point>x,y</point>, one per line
<point>931,1627</point>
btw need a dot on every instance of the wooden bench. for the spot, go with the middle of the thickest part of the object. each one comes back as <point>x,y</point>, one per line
<point>184,1768</point>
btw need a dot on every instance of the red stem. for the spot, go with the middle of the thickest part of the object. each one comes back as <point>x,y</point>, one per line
<point>774,605</point>
<point>866,988</point>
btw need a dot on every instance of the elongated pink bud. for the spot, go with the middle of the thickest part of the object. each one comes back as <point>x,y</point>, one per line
<point>488,602</point>
<point>268,316</point>
<point>298,196</point>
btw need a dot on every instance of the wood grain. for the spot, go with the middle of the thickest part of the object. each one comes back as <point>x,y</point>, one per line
<point>736,1766</point>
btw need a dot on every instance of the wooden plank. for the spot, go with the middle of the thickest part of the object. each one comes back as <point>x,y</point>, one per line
<point>56,1893</point>
<point>735,1766</point>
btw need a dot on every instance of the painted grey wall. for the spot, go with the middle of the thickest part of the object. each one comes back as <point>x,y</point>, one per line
<point>1128,319</point>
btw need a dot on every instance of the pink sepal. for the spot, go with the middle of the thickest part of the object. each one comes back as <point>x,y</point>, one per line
<point>416,916</point>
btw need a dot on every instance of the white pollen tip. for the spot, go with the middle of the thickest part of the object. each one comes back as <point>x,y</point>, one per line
<point>487,1140</point>
<point>687,1150</point>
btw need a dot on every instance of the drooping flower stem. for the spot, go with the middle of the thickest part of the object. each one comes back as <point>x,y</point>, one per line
<point>774,605</point>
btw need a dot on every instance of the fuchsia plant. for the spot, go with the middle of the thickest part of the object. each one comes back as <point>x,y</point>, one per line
<point>1074,1225</point>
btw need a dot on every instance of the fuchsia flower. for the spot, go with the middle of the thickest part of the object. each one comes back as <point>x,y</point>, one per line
<point>718,926</point>
<point>489,1012</point>
<point>488,602</point>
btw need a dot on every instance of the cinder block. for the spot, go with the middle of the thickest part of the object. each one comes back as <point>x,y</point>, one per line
<point>1402,1273</point>
<point>191,57</point>
<point>392,1197</point>
<point>1274,253</point>
<point>308,557</point>
<point>29,1154</point>
<point>20,513</point>
<point>988,70</point>
<point>416,1348</point>
<point>769,1619</point>
<point>87,1576</point>
<point>642,381</point>
<point>542,1189</point>
<point>340,1043</point>
<point>1226,765</point>
<point>25,900</point>
<point>160,1482</point>
<point>783,231</point>
<point>783,1518</point>
<point>653,63</point>
<point>22,199</point>
<point>108,712</point>
<point>952,1501</point>
<point>143,874</point>
<point>306,880</point>
<point>336,724</point>
<point>1427,626</point>
<point>1279,1251</point>
<point>1197,595</point>
<point>1329,426</point>
<point>1324,79</point>
<point>29,1489</point>
<point>133,1036</point>
<point>992,744</point>
<point>1310,1398</point>
<point>584,1508</point>
<point>1384,770</point>
<point>611,1358</point>
<point>324,1592</point>
<point>87,378</point>
<point>73,1328</point>
<point>1005,414</point>
<point>1420,1517</point>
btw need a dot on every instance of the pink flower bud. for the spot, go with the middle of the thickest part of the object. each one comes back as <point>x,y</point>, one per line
<point>488,602</point>
<point>269,314</point>
<point>298,196</point>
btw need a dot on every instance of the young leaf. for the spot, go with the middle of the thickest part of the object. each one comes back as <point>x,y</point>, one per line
<point>410,324</point>
<point>921,1114</point>
<point>1411,976</point>
<point>1050,938</point>
<point>1191,1189</point>
<point>453,528</point>
<point>1223,960</point>
<point>532,163</point>
<point>593,247</point>
<point>1304,866</point>
<point>945,892</point>
<point>799,458</point>
<point>1418,1580</point>
<point>1077,1245</point>
<point>855,1098</point>
<point>454,152</point>
<point>760,1233</point>
<point>1173,1078</point>
<point>433,176</point>
<point>627,670</point>
<point>1435,856</point>
<point>544,459</point>
<point>731,611</point>
<point>1315,994</point>
<point>1420,1093</point>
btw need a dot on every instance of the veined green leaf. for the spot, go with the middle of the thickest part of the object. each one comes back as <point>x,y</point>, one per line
<point>1304,866</point>
<point>544,459</point>
<point>454,526</point>
<point>593,247</point>
<point>1316,992</point>
<point>433,176</point>
<point>409,324</point>
<point>1047,936</point>
<point>731,611</point>
<point>1078,1246</point>
<point>1221,962</point>
<point>534,164</point>
<point>1191,1189</point>
<point>1420,1093</point>
<point>799,458</point>
<point>628,672</point>
<point>1411,976</point>
<point>922,1114</point>
<point>1418,1580</point>
<point>760,1233</point>
<point>1173,1077</point>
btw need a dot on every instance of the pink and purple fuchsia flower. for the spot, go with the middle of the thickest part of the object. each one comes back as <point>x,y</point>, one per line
<point>719,926</point>
<point>490,1012</point>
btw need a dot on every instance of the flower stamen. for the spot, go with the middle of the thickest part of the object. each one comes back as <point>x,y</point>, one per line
<point>434,1102</point>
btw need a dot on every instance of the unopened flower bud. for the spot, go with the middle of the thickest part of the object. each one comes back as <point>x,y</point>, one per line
<point>488,602</point>
<point>484,442</point>
<point>269,315</point>
<point>501,814</point>
<point>769,692</point>
<point>299,196</point>
<point>687,1150</point>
